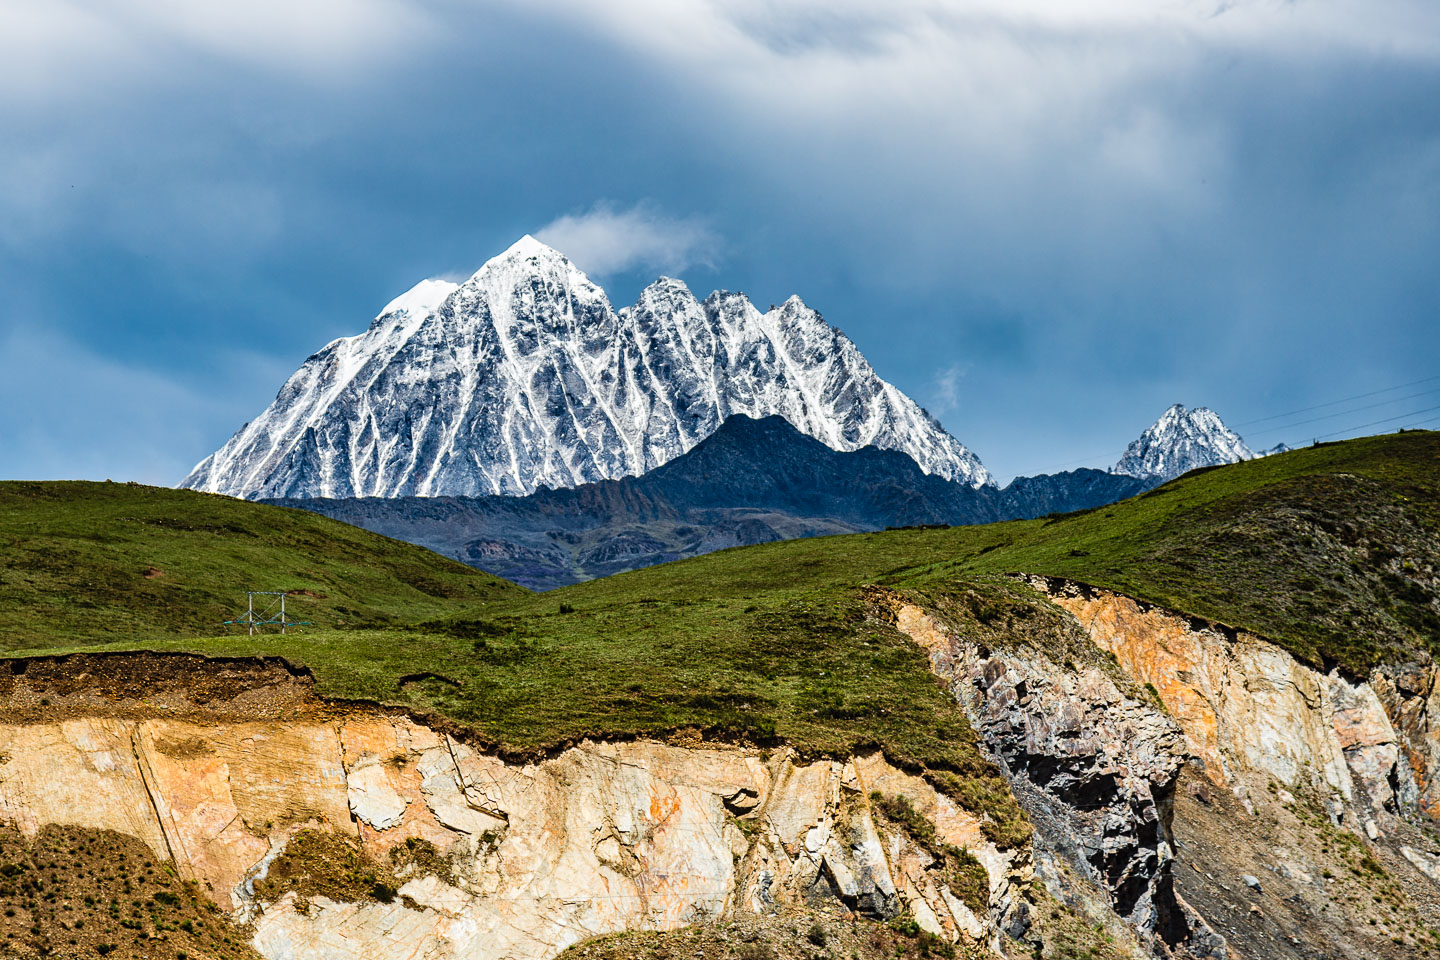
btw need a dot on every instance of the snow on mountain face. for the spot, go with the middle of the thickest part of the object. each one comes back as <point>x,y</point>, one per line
<point>1180,441</point>
<point>524,376</point>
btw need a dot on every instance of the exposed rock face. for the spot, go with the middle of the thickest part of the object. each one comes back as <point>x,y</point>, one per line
<point>1248,707</point>
<point>1410,695</point>
<point>602,838</point>
<point>1094,768</point>
<point>1316,785</point>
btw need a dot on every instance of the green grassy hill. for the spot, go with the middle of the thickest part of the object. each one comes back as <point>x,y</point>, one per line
<point>89,562</point>
<point>1331,550</point>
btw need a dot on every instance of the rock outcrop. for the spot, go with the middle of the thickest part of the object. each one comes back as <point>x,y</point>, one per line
<point>1094,767</point>
<point>1219,796</point>
<point>602,838</point>
<point>1248,708</point>
<point>1316,785</point>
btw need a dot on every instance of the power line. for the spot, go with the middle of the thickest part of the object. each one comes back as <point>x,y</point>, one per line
<point>1321,406</point>
<point>1344,413</point>
<point>1375,423</point>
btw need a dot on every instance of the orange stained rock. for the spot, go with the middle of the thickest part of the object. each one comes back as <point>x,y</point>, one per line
<point>1161,650</point>
<point>387,755</point>
<point>664,804</point>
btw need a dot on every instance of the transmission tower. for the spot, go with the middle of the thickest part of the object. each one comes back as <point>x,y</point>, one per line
<point>254,620</point>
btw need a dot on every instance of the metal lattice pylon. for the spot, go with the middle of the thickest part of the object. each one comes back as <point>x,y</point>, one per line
<point>254,620</point>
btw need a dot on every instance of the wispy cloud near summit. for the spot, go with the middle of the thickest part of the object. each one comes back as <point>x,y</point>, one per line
<point>605,240</point>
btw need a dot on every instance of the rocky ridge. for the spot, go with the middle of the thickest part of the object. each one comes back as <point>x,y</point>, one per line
<point>751,481</point>
<point>524,377</point>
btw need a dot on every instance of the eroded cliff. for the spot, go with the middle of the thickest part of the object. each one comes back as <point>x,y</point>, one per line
<point>220,775</point>
<point>1195,791</point>
<point>1222,797</point>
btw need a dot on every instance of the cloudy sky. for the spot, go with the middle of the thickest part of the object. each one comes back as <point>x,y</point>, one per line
<point>1045,220</point>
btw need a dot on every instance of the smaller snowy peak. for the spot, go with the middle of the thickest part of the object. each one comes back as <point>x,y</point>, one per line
<point>668,284</point>
<point>420,300</point>
<point>795,311</point>
<point>1180,441</point>
<point>1271,451</point>
<point>664,290</point>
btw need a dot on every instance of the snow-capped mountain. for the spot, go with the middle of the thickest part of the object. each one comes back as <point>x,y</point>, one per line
<point>1180,441</point>
<point>524,376</point>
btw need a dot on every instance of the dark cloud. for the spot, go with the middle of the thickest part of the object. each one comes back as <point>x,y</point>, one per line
<point>1057,221</point>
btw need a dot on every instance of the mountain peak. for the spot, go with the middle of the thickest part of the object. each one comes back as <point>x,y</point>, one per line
<point>667,286</point>
<point>1179,441</point>
<point>524,257</point>
<point>528,377</point>
<point>527,247</point>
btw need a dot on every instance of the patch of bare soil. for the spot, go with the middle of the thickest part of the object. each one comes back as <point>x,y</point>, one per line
<point>140,685</point>
<point>70,892</point>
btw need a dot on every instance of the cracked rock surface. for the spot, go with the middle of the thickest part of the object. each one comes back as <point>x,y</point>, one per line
<point>600,839</point>
<point>1316,785</point>
<point>1094,768</point>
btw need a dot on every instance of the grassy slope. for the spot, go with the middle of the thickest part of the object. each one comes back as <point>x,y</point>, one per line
<point>74,559</point>
<point>775,641</point>
<point>1332,551</point>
